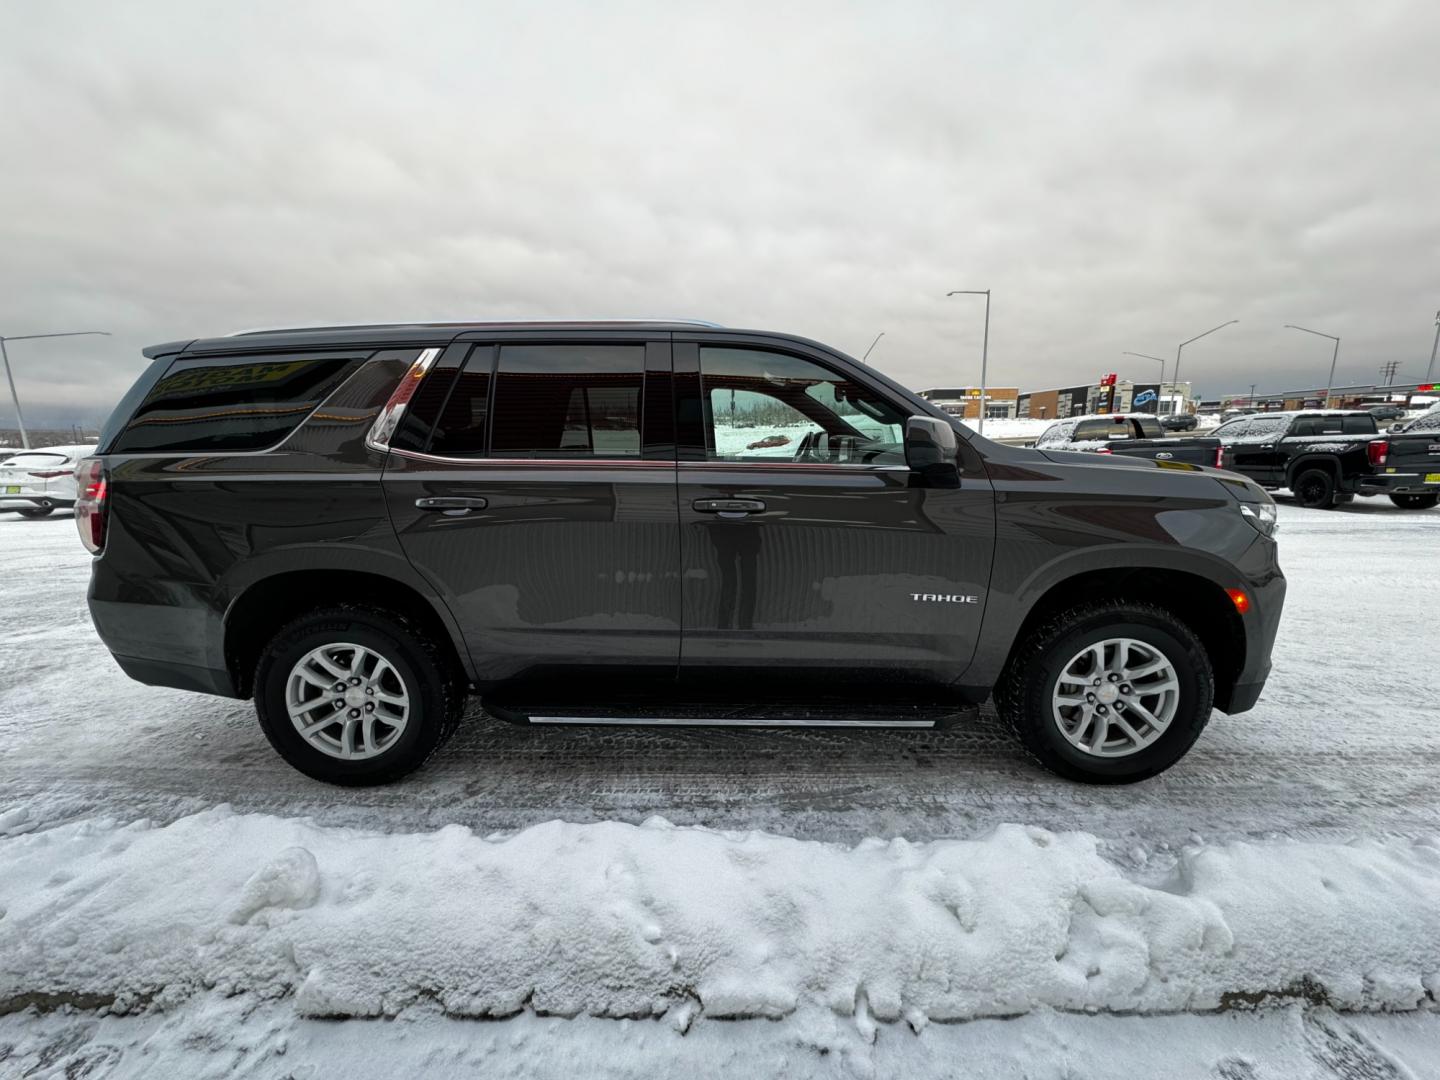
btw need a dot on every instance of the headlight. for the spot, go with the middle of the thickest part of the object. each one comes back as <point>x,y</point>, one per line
<point>1264,516</point>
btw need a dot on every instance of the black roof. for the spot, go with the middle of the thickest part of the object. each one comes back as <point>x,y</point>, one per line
<point>411,333</point>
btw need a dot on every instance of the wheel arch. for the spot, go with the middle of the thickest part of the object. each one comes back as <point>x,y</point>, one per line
<point>268,603</point>
<point>1195,600</point>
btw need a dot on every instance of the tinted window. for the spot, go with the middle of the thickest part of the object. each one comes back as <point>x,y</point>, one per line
<point>248,404</point>
<point>460,418</point>
<point>767,406</point>
<point>1089,430</point>
<point>1358,425</point>
<point>568,401</point>
<point>1150,427</point>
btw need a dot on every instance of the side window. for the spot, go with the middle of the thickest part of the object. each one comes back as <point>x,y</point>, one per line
<point>460,419</point>
<point>246,404</point>
<point>567,401</point>
<point>1091,430</point>
<point>1053,434</point>
<point>768,406</point>
<point>1233,429</point>
<point>1358,425</point>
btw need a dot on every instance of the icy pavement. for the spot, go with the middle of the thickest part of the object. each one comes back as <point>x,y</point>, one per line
<point>867,888</point>
<point>1343,743</point>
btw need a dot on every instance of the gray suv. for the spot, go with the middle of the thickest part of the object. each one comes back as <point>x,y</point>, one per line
<point>651,523</point>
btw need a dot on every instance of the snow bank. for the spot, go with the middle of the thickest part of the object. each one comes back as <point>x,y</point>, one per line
<point>618,920</point>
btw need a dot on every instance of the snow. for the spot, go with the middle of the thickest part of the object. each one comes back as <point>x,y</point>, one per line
<point>617,920</point>
<point>809,902</point>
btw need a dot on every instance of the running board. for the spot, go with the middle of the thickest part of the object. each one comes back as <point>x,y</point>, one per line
<point>731,721</point>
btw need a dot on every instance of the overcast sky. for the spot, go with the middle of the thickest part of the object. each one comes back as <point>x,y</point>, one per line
<point>1122,176</point>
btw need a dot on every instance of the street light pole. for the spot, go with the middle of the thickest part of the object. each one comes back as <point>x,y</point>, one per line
<point>1430,366</point>
<point>1334,355</point>
<point>4,355</point>
<point>1163,362</point>
<point>1182,345</point>
<point>872,346</point>
<point>984,348</point>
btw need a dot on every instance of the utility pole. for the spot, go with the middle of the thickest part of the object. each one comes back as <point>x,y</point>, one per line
<point>1387,372</point>
<point>872,346</point>
<point>1252,394</point>
<point>1334,355</point>
<point>5,356</point>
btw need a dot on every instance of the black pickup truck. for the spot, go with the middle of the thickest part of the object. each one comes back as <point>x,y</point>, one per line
<point>1131,434</point>
<point>1329,456</point>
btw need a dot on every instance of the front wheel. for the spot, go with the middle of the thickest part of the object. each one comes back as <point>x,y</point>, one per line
<point>356,696</point>
<point>1108,693</point>
<point>1416,501</point>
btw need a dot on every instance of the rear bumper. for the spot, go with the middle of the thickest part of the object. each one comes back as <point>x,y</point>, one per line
<point>30,502</point>
<point>203,680</point>
<point>1399,483</point>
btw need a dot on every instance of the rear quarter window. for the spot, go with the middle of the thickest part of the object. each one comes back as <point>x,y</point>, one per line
<point>249,403</point>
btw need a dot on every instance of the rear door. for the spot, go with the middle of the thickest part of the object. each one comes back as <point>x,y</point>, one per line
<point>1260,452</point>
<point>810,557</point>
<point>533,483</point>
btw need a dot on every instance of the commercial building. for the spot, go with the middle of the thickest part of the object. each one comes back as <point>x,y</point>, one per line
<point>1410,395</point>
<point>964,401</point>
<point>1107,395</point>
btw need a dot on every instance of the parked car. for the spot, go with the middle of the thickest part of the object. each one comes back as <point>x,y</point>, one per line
<point>34,483</point>
<point>1386,412</point>
<point>1131,434</point>
<point>1326,457</point>
<point>1179,422</point>
<point>590,523</point>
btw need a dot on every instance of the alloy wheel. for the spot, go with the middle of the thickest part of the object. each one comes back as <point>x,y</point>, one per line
<point>347,701</point>
<point>1115,697</point>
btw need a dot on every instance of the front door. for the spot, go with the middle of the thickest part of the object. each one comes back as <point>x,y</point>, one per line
<point>810,557</point>
<point>533,483</point>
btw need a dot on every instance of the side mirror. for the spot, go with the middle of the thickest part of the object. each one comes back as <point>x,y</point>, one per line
<point>930,451</point>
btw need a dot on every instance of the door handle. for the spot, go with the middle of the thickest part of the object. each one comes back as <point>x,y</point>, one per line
<point>730,508</point>
<point>453,505</point>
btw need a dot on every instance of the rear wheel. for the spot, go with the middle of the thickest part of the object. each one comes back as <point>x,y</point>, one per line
<point>1315,488</point>
<point>1416,501</point>
<point>1108,693</point>
<point>356,696</point>
<point>37,511</point>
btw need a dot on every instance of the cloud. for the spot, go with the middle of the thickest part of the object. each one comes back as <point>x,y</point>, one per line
<point>1123,177</point>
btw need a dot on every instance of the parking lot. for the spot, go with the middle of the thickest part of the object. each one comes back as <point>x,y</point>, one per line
<point>1342,744</point>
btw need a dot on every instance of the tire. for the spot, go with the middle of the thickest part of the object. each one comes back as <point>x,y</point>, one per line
<point>1416,501</point>
<point>36,512</point>
<point>1033,675</point>
<point>418,671</point>
<point>1314,488</point>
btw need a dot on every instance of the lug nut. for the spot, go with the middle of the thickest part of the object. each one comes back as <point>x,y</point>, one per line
<point>370,690</point>
<point>339,704</point>
<point>1101,710</point>
<point>1114,677</point>
<point>339,688</point>
<point>354,714</point>
<point>1125,688</point>
<point>369,706</point>
<point>354,680</point>
<point>1090,698</point>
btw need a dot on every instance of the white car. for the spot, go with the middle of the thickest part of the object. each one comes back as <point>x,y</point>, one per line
<point>36,482</point>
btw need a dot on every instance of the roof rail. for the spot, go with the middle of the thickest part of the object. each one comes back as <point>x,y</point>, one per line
<point>476,322</point>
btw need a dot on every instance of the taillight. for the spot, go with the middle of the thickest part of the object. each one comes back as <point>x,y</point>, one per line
<point>1378,451</point>
<point>389,418</point>
<point>1104,450</point>
<point>51,474</point>
<point>1219,457</point>
<point>90,507</point>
